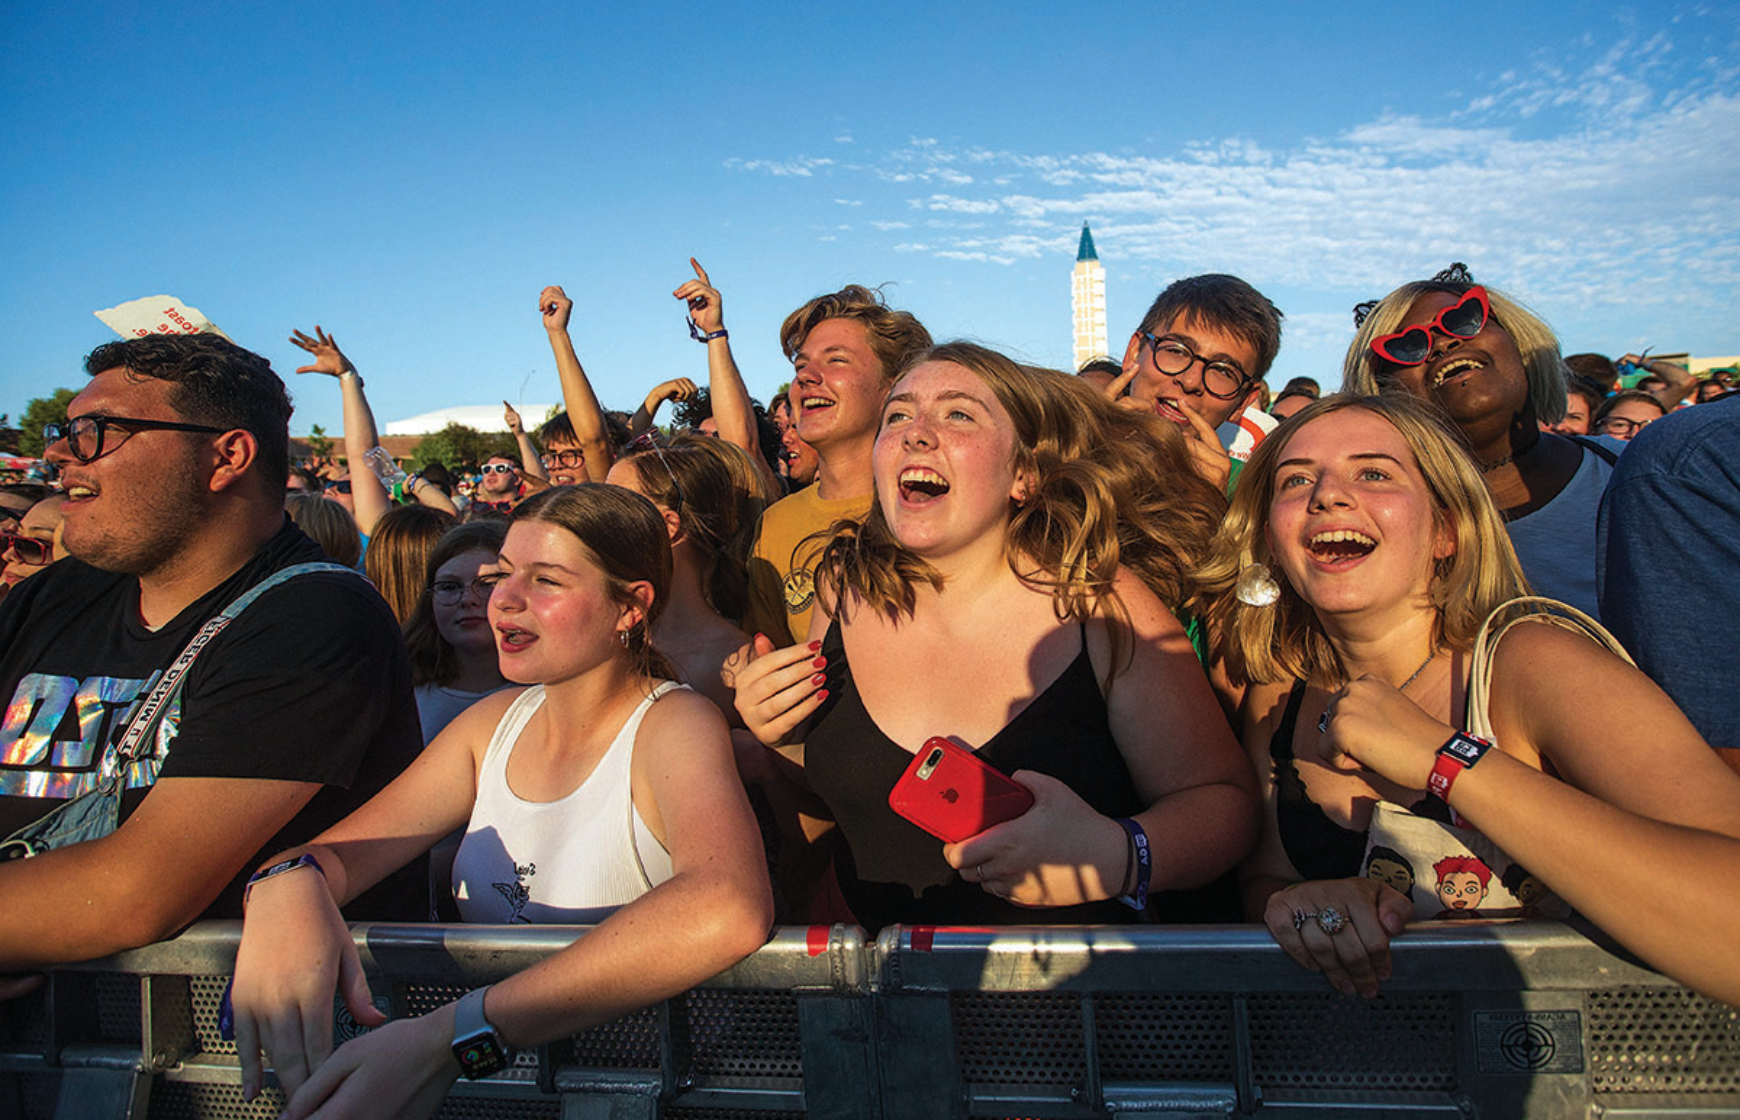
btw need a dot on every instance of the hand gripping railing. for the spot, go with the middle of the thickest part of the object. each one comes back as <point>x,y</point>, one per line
<point>1478,1020</point>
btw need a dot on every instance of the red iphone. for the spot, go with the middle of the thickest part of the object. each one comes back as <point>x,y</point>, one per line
<point>952,793</point>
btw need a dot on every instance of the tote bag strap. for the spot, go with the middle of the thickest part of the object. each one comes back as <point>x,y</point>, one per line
<point>1498,624</point>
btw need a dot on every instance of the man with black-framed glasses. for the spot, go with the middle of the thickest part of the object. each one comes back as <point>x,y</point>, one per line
<point>1198,358</point>
<point>174,460</point>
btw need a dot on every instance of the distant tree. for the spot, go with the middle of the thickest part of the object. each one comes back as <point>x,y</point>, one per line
<point>38,413</point>
<point>319,442</point>
<point>456,445</point>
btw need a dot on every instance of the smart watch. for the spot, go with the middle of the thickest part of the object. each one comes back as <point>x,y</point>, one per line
<point>1459,753</point>
<point>478,1048</point>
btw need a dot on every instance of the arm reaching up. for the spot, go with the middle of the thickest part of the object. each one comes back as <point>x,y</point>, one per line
<point>578,398</point>
<point>367,494</point>
<point>732,409</point>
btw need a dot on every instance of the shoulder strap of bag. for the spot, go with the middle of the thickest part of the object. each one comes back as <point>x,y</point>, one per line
<point>169,684</point>
<point>1498,624</point>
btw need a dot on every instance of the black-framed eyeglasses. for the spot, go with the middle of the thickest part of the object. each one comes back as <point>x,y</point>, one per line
<point>29,550</point>
<point>86,436</point>
<point>1224,380</point>
<point>448,592</point>
<point>649,438</point>
<point>342,486</point>
<point>568,459</point>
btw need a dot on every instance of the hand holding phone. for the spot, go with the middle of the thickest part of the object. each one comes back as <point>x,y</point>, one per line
<point>952,793</point>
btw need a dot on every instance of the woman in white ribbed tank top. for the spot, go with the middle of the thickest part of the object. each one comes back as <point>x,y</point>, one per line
<point>603,793</point>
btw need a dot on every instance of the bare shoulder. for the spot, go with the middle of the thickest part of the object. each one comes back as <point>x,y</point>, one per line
<point>678,719</point>
<point>1538,649</point>
<point>473,728</point>
<point>1147,615</point>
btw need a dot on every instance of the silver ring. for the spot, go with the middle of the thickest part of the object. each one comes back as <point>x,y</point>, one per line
<point>1299,918</point>
<point>979,870</point>
<point>1331,921</point>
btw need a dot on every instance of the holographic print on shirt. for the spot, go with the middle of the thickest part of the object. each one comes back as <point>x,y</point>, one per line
<point>60,735</point>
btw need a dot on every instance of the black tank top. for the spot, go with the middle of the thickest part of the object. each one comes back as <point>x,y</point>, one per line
<point>890,870</point>
<point>1318,847</point>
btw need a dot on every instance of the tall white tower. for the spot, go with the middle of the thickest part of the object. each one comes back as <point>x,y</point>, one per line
<point>1088,299</point>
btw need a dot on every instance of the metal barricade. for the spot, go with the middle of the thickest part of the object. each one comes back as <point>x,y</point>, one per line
<point>1479,1020</point>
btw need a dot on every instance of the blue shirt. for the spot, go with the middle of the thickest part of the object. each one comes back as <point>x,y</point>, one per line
<point>1669,561</point>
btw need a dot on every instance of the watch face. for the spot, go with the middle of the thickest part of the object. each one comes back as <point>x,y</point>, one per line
<point>480,1055</point>
<point>1464,748</point>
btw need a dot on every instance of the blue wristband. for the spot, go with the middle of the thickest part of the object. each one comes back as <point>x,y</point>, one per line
<point>1138,898</point>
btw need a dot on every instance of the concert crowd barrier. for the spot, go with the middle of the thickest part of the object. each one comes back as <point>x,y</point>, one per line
<point>1479,1020</point>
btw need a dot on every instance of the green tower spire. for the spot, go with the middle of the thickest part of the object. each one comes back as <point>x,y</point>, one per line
<point>1086,252</point>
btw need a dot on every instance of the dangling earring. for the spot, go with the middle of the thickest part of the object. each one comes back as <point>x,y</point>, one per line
<point>1256,587</point>
<point>622,636</point>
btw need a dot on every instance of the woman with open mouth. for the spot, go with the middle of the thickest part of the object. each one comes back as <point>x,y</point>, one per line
<point>1360,557</point>
<point>603,793</point>
<point>1012,591</point>
<point>1493,368</point>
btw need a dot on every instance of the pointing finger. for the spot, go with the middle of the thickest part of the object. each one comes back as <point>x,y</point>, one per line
<point>700,272</point>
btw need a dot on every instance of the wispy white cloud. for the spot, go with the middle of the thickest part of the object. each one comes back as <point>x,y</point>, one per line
<point>803,166</point>
<point>848,202</point>
<point>1599,162</point>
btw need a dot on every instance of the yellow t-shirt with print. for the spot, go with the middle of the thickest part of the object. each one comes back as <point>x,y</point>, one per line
<point>782,580</point>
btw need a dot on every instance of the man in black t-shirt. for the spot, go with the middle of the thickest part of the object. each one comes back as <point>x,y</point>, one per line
<point>174,459</point>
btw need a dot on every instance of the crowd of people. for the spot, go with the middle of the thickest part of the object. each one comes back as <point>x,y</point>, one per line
<point>1354,672</point>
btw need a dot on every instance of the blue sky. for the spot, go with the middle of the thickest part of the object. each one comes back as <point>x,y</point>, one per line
<point>409,176</point>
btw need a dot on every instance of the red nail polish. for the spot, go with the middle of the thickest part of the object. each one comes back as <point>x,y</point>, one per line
<point>819,678</point>
<point>815,645</point>
<point>820,663</point>
<point>822,695</point>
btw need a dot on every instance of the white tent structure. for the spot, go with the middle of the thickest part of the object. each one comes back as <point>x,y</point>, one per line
<point>482,417</point>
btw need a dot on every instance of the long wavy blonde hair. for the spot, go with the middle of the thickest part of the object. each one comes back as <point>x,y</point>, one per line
<point>1285,640</point>
<point>1111,488</point>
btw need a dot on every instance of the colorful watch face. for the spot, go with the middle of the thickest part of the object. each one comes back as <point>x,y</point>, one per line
<point>480,1055</point>
<point>1465,748</point>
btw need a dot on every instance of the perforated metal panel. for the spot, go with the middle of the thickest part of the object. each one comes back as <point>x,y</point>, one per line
<point>472,1108</point>
<point>631,1042</point>
<point>208,994</point>
<point>1154,1037</point>
<point>117,1006</point>
<point>1019,1038</point>
<point>744,1033</point>
<point>182,1100</point>
<point>1328,1041</point>
<point>1662,1040</point>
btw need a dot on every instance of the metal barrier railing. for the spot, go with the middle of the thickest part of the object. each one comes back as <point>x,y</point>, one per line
<point>1478,1020</point>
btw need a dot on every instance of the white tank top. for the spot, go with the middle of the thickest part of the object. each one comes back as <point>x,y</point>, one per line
<point>572,861</point>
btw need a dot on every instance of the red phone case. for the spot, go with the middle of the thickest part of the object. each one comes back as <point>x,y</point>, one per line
<point>952,793</point>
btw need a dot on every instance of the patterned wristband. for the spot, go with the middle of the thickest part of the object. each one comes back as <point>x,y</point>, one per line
<point>1138,898</point>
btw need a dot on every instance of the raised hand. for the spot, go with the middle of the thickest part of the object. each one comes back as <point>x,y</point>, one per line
<point>778,689</point>
<point>512,419</point>
<point>328,358</point>
<point>555,306</point>
<point>705,306</point>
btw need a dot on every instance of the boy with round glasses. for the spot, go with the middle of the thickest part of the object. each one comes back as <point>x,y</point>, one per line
<point>1198,359</point>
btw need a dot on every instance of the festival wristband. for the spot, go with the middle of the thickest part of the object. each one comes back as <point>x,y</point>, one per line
<point>1137,899</point>
<point>699,335</point>
<point>306,859</point>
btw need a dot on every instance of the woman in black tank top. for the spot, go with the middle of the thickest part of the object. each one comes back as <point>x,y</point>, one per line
<point>1388,554</point>
<point>1010,591</point>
